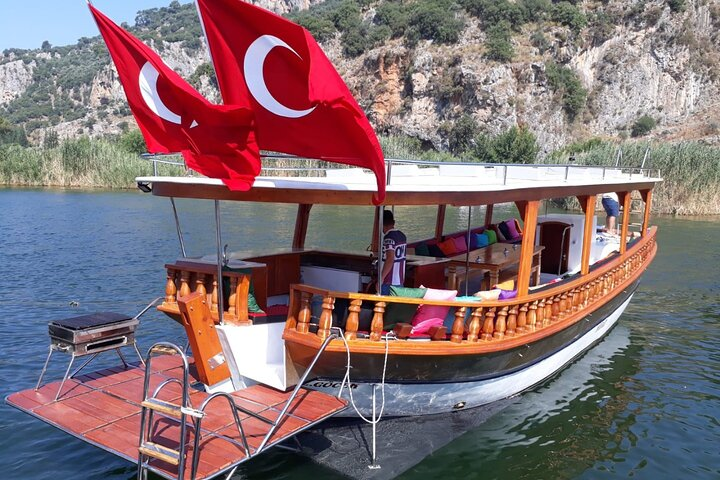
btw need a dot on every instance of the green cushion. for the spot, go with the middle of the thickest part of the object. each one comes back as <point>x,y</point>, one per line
<point>401,312</point>
<point>492,236</point>
<point>422,249</point>
<point>253,306</point>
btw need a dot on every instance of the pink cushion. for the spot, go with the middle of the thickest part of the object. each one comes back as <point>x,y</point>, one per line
<point>460,244</point>
<point>514,235</point>
<point>424,326</point>
<point>435,312</point>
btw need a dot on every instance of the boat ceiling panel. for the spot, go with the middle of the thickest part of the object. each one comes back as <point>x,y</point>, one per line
<point>410,185</point>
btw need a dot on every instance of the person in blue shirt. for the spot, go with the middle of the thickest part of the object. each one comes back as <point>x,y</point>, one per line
<point>394,253</point>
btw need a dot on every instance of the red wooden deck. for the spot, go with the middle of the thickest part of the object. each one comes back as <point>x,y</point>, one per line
<point>103,409</point>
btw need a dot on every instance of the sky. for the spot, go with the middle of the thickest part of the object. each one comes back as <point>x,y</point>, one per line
<point>28,23</point>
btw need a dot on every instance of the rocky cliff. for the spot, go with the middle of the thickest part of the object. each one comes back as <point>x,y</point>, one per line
<point>655,58</point>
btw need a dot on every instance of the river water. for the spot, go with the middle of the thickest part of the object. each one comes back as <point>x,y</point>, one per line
<point>644,403</point>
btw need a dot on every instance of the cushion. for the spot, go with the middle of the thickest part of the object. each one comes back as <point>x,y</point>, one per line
<point>401,312</point>
<point>479,240</point>
<point>505,294</point>
<point>492,236</point>
<point>422,249</point>
<point>435,250</point>
<point>460,244</point>
<point>512,230</point>
<point>448,247</point>
<point>502,226</point>
<point>468,298</point>
<point>426,312</point>
<point>507,285</point>
<point>425,325</point>
<point>498,232</point>
<point>488,295</point>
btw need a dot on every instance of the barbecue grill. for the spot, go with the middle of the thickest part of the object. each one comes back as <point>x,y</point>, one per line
<point>90,335</point>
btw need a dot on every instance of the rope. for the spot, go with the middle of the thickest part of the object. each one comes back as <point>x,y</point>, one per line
<point>346,379</point>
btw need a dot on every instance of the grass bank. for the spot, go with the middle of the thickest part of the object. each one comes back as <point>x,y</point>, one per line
<point>691,170</point>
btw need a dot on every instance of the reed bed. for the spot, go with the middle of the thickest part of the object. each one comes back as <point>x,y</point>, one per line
<point>691,170</point>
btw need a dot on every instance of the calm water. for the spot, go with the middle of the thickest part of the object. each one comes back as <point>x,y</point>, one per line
<point>642,404</point>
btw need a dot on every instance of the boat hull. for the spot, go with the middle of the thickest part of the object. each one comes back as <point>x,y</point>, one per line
<point>440,396</point>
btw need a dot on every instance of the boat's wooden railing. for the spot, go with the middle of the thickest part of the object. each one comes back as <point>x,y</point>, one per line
<point>489,320</point>
<point>184,278</point>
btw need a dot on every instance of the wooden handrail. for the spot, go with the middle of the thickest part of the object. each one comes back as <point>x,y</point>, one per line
<point>490,321</point>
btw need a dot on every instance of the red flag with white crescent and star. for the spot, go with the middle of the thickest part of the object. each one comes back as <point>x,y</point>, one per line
<point>216,140</point>
<point>302,105</point>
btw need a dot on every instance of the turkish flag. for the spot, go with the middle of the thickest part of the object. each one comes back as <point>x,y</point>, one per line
<point>215,140</point>
<point>301,104</point>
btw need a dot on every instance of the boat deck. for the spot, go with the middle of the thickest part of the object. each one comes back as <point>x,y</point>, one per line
<point>103,409</point>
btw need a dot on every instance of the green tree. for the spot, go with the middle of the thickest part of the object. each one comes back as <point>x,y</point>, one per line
<point>516,145</point>
<point>564,82</point>
<point>499,43</point>
<point>132,141</point>
<point>461,135</point>
<point>642,126</point>
<point>569,15</point>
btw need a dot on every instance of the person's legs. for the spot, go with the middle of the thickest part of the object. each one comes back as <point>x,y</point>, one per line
<point>612,209</point>
<point>385,289</point>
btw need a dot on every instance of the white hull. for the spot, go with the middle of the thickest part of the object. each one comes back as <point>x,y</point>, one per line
<point>428,399</point>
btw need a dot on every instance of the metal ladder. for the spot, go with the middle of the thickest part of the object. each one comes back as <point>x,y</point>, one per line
<point>147,450</point>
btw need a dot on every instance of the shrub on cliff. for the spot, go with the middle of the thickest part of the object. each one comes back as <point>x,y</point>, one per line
<point>565,83</point>
<point>499,43</point>
<point>642,126</point>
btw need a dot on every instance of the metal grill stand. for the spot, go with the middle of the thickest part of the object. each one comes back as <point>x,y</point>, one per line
<point>90,335</point>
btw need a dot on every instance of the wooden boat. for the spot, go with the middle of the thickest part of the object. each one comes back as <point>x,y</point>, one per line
<point>486,350</point>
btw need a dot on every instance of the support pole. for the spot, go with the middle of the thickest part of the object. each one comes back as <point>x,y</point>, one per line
<point>527,248</point>
<point>467,251</point>
<point>301,225</point>
<point>380,249</point>
<point>488,214</point>
<point>624,198</point>
<point>647,198</point>
<point>440,222</point>
<point>587,202</point>
<point>177,227</point>
<point>218,240</point>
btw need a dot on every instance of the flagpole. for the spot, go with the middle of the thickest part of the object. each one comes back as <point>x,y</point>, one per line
<point>380,250</point>
<point>467,252</point>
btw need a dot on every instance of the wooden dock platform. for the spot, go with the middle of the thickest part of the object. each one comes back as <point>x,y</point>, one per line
<point>103,408</point>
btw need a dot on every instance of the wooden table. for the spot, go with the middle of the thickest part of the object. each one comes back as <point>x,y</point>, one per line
<point>493,258</point>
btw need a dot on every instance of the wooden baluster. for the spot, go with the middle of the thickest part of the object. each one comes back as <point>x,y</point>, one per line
<point>351,325</point>
<point>200,284</point>
<point>555,309</point>
<point>233,296</point>
<point>325,321</point>
<point>475,323</point>
<point>522,318</point>
<point>511,323</point>
<point>241,299</point>
<point>564,306</point>
<point>303,318</point>
<point>377,322</point>
<point>547,311</point>
<point>532,316</point>
<point>575,299</point>
<point>184,283</point>
<point>459,325</point>
<point>170,288</point>
<point>214,296</point>
<point>500,323</point>
<point>489,324</point>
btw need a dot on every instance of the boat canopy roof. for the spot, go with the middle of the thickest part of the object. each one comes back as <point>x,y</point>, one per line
<point>417,183</point>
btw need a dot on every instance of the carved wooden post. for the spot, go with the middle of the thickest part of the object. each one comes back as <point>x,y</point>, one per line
<point>522,318</point>
<point>351,325</point>
<point>474,326</point>
<point>325,321</point>
<point>170,288</point>
<point>500,323</point>
<point>532,316</point>
<point>489,325</point>
<point>200,284</point>
<point>184,283</point>
<point>555,309</point>
<point>214,296</point>
<point>563,304</point>
<point>303,318</point>
<point>459,325</point>
<point>233,297</point>
<point>241,299</point>
<point>511,321</point>
<point>377,322</point>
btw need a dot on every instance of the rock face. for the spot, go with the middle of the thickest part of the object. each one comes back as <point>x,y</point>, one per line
<point>667,66</point>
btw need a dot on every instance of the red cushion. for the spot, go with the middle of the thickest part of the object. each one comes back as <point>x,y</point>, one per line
<point>448,247</point>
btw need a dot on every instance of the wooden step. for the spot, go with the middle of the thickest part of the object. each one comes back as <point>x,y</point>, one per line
<point>170,409</point>
<point>156,450</point>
